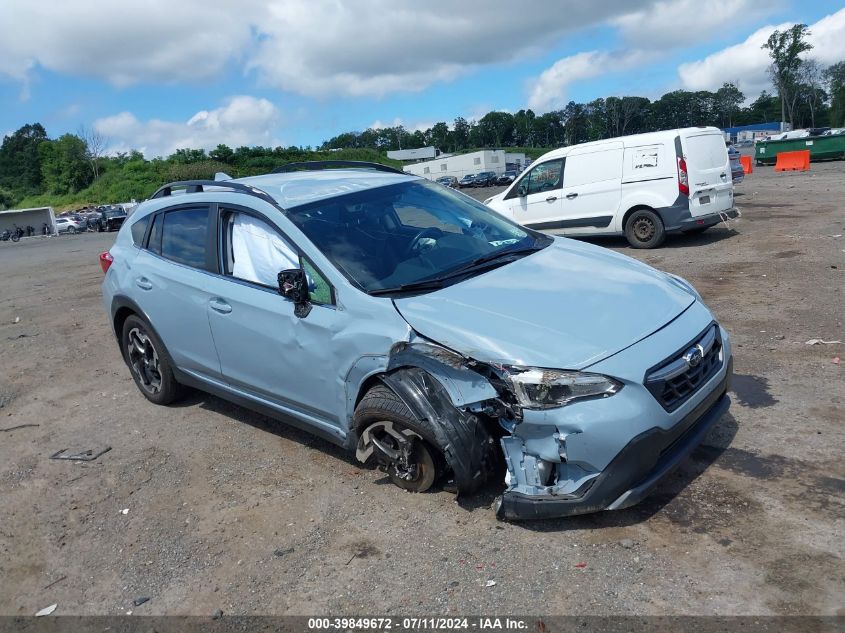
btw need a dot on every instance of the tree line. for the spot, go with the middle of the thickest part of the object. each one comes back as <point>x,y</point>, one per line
<point>73,168</point>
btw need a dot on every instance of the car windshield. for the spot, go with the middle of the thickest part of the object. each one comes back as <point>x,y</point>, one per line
<point>400,235</point>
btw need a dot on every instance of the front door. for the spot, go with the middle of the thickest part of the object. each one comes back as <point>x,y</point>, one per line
<point>536,199</point>
<point>265,350</point>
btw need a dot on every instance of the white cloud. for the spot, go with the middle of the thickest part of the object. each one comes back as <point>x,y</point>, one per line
<point>242,120</point>
<point>746,62</point>
<point>673,23</point>
<point>312,47</point>
<point>548,91</point>
<point>122,42</point>
<point>649,31</point>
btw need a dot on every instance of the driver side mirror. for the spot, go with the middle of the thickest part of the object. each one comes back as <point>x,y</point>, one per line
<point>294,285</point>
<point>522,190</point>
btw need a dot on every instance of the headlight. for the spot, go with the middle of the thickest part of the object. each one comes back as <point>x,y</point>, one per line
<point>684,285</point>
<point>549,388</point>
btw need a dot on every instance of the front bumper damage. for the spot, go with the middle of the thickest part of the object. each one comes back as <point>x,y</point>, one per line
<point>629,477</point>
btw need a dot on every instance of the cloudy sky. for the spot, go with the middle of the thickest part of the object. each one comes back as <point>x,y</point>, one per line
<point>157,75</point>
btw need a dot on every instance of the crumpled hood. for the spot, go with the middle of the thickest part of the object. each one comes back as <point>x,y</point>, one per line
<point>568,306</point>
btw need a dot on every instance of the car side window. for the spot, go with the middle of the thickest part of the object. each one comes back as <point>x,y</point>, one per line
<point>139,229</point>
<point>545,177</point>
<point>319,290</point>
<point>184,235</point>
<point>255,251</point>
<point>154,241</point>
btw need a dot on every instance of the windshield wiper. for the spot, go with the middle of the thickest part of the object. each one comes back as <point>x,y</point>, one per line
<point>425,284</point>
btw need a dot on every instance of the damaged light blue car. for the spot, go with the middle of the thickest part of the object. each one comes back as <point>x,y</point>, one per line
<point>414,326</point>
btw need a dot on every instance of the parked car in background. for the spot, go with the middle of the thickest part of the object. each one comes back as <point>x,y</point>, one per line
<point>68,225</point>
<point>111,217</point>
<point>466,181</point>
<point>448,181</point>
<point>484,179</point>
<point>737,170</point>
<point>834,131</point>
<point>506,178</point>
<point>643,187</point>
<point>454,335</point>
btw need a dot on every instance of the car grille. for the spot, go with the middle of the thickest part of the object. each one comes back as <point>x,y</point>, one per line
<point>676,379</point>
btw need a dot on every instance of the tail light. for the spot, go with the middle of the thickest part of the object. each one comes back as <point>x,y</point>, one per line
<point>106,260</point>
<point>683,177</point>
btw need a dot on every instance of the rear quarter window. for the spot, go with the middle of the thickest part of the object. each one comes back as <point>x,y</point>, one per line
<point>139,229</point>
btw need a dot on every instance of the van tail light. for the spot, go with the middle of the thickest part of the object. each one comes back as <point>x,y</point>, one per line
<point>683,177</point>
<point>106,260</point>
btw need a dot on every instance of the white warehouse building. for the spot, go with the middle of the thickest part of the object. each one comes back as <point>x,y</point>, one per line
<point>459,165</point>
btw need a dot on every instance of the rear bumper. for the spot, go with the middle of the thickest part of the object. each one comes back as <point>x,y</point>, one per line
<point>636,469</point>
<point>703,221</point>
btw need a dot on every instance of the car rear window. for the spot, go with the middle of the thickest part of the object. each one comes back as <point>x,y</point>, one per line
<point>184,236</point>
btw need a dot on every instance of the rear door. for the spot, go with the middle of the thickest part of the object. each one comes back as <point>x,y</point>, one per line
<point>709,170</point>
<point>169,280</point>
<point>592,184</point>
<point>537,199</point>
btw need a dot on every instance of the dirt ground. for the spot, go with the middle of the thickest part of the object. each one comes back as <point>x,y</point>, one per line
<point>204,505</point>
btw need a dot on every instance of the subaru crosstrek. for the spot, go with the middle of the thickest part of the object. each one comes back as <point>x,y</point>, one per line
<point>411,324</point>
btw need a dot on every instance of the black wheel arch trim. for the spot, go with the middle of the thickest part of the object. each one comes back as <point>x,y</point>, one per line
<point>466,444</point>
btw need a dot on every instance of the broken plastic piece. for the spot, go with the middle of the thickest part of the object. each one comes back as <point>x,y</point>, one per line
<point>83,456</point>
<point>46,610</point>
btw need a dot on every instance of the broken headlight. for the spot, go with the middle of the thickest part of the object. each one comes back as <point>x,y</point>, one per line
<point>548,388</point>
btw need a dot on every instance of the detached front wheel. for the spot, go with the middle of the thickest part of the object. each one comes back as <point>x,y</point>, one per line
<point>644,229</point>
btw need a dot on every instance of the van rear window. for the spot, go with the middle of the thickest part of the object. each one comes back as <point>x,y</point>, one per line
<point>706,151</point>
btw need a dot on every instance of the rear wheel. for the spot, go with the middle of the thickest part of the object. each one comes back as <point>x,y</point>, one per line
<point>396,441</point>
<point>71,230</point>
<point>644,229</point>
<point>149,361</point>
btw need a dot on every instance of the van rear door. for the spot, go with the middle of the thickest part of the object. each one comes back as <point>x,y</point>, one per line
<point>709,172</point>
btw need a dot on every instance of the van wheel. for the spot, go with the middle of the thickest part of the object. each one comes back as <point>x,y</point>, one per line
<point>150,363</point>
<point>394,440</point>
<point>644,229</point>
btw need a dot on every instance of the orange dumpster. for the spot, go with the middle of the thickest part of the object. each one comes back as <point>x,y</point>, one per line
<point>793,161</point>
<point>745,161</point>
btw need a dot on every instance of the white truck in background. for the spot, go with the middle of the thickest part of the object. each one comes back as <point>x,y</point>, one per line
<point>643,186</point>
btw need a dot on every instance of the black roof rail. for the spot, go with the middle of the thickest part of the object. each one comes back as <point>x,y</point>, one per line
<point>326,164</point>
<point>197,186</point>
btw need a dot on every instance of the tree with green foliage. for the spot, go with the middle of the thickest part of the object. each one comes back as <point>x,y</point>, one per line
<point>785,48</point>
<point>728,101</point>
<point>64,165</point>
<point>20,162</point>
<point>835,80</point>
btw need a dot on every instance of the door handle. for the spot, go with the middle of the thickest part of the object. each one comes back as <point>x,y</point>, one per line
<point>551,198</point>
<point>571,196</point>
<point>144,283</point>
<point>218,305</point>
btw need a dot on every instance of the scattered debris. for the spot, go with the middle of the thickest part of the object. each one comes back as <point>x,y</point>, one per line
<point>125,511</point>
<point>217,614</point>
<point>818,341</point>
<point>139,601</point>
<point>83,456</point>
<point>490,583</point>
<point>18,320</point>
<point>46,610</point>
<point>580,565</point>
<point>283,551</point>
<point>626,543</point>
<point>836,360</point>
<point>56,582</point>
<point>19,426</point>
<point>14,338</point>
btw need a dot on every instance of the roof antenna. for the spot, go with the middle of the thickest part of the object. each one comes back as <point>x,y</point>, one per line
<point>221,175</point>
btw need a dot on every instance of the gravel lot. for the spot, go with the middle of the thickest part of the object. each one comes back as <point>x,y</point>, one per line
<point>230,510</point>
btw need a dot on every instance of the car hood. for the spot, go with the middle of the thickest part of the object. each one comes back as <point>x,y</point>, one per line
<point>568,306</point>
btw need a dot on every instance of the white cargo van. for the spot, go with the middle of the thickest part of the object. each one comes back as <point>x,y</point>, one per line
<point>643,186</point>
